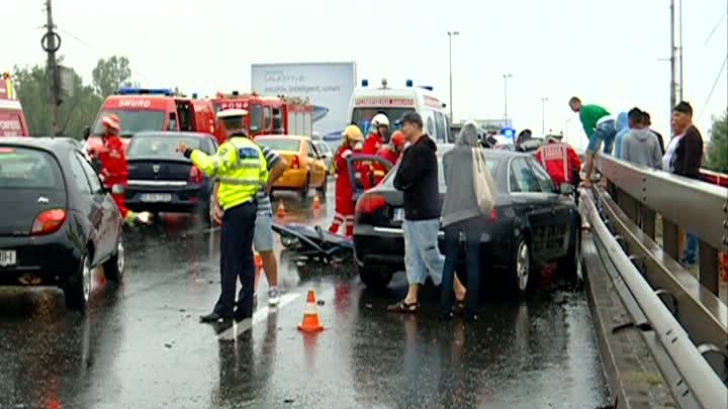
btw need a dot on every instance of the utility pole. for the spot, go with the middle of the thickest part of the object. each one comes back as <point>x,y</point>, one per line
<point>544,100</point>
<point>673,83</point>
<point>505,88</point>
<point>682,84</point>
<point>450,34</point>
<point>51,42</point>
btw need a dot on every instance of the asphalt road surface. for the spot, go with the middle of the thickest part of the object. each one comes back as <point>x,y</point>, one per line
<point>141,345</point>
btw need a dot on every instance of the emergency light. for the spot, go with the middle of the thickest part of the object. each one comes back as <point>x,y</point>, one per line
<point>509,132</point>
<point>364,83</point>
<point>144,91</point>
<point>427,87</point>
<point>409,83</point>
<point>194,95</point>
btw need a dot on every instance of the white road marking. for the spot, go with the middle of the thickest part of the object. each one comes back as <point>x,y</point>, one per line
<point>233,332</point>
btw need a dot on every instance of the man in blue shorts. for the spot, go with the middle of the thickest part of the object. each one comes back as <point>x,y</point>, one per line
<point>600,128</point>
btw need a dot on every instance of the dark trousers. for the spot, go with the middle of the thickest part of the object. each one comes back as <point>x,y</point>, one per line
<point>470,231</point>
<point>236,259</point>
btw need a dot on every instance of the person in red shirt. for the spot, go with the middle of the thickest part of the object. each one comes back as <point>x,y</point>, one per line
<point>373,142</point>
<point>114,172</point>
<point>390,152</point>
<point>344,209</point>
<point>560,160</point>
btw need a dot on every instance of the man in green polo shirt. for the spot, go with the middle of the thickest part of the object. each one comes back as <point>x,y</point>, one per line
<point>599,126</point>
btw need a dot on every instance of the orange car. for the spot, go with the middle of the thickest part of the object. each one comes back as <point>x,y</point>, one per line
<point>306,166</point>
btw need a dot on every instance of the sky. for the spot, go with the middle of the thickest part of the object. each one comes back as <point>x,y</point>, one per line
<point>606,52</point>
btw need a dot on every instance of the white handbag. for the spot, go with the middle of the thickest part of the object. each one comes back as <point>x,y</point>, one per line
<point>485,189</point>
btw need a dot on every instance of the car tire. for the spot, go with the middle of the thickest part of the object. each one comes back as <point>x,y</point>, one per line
<point>114,267</point>
<point>77,289</point>
<point>303,192</point>
<point>568,267</point>
<point>205,210</point>
<point>322,189</point>
<point>375,278</point>
<point>521,276</point>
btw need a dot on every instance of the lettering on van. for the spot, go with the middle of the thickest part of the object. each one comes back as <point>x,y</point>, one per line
<point>10,125</point>
<point>432,102</point>
<point>233,105</point>
<point>134,103</point>
<point>384,102</point>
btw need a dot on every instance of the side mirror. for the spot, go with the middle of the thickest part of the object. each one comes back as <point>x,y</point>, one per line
<point>86,133</point>
<point>567,188</point>
<point>117,189</point>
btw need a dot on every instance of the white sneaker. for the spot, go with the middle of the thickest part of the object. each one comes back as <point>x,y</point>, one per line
<point>273,297</point>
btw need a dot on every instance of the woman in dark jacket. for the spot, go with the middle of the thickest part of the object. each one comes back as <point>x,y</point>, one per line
<point>462,220</point>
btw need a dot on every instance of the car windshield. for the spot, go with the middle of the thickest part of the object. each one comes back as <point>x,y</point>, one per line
<point>23,168</point>
<point>280,144</point>
<point>492,164</point>
<point>322,147</point>
<point>161,146</point>
<point>362,117</point>
<point>133,121</point>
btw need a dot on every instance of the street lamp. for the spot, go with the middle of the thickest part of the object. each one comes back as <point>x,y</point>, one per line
<point>544,100</point>
<point>450,35</point>
<point>505,87</point>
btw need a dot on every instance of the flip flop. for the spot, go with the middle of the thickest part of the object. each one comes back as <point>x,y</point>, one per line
<point>403,308</point>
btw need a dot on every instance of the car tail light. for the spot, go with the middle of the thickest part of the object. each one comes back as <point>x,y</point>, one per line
<point>295,163</point>
<point>369,203</point>
<point>195,175</point>
<point>493,214</point>
<point>48,221</point>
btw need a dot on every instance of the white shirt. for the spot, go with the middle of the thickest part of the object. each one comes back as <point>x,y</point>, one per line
<point>670,152</point>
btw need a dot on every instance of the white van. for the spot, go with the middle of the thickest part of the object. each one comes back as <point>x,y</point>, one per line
<point>394,102</point>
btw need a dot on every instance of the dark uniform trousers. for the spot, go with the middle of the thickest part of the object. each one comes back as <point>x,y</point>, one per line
<point>236,259</point>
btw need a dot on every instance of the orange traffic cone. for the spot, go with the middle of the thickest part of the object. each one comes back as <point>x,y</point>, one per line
<point>281,210</point>
<point>316,202</point>
<point>310,321</point>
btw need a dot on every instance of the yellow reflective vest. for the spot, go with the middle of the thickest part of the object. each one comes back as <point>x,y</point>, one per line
<point>239,165</point>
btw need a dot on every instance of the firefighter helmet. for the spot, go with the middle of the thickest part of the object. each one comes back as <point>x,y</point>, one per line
<point>352,133</point>
<point>111,121</point>
<point>397,139</point>
<point>380,120</point>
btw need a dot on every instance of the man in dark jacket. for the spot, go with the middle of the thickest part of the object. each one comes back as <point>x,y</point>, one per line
<point>417,178</point>
<point>648,125</point>
<point>683,157</point>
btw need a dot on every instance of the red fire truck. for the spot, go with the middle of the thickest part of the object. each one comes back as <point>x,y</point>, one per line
<point>267,115</point>
<point>12,120</point>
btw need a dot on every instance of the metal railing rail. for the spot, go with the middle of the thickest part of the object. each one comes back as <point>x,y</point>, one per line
<point>697,377</point>
<point>694,205</point>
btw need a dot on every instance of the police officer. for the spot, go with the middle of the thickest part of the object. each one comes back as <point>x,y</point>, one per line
<point>240,167</point>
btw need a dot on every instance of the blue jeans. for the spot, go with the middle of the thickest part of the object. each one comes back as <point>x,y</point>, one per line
<point>691,248</point>
<point>421,254</point>
<point>605,133</point>
<point>459,237</point>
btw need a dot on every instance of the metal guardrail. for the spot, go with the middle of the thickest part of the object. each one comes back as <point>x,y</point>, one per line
<point>696,381</point>
<point>698,207</point>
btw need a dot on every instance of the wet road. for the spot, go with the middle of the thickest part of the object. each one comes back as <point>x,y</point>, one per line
<point>141,346</point>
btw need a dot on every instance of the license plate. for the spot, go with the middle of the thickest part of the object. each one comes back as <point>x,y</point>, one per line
<point>398,215</point>
<point>7,258</point>
<point>156,197</point>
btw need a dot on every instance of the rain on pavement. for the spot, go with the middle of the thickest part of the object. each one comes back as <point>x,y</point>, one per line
<point>141,346</point>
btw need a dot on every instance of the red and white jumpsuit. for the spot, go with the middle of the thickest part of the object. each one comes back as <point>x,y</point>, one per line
<point>559,160</point>
<point>114,170</point>
<point>344,193</point>
<point>372,144</point>
<point>388,153</point>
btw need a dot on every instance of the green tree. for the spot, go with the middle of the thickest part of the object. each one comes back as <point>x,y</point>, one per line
<point>76,111</point>
<point>718,148</point>
<point>109,74</point>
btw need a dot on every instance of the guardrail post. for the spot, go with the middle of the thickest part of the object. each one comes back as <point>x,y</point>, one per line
<point>708,259</point>
<point>671,239</point>
<point>648,221</point>
<point>628,204</point>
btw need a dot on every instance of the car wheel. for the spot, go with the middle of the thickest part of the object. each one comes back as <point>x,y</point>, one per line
<point>206,211</point>
<point>114,267</point>
<point>568,267</point>
<point>521,268</point>
<point>375,278</point>
<point>322,189</point>
<point>303,192</point>
<point>78,286</point>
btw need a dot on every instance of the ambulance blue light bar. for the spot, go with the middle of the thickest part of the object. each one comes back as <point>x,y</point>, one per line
<point>409,83</point>
<point>144,91</point>
<point>427,87</point>
<point>364,83</point>
<point>508,132</point>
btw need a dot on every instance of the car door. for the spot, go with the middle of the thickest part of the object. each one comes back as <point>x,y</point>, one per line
<point>354,164</point>
<point>531,204</point>
<point>90,205</point>
<point>111,221</point>
<point>561,209</point>
<point>315,165</point>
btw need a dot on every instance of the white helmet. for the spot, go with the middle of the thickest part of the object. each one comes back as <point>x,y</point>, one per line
<point>380,120</point>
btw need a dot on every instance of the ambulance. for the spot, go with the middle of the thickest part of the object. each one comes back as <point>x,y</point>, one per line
<point>12,120</point>
<point>142,109</point>
<point>367,102</point>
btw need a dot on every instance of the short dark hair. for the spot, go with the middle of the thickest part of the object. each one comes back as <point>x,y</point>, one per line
<point>574,99</point>
<point>636,115</point>
<point>683,107</point>
<point>646,118</point>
